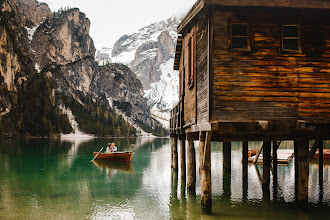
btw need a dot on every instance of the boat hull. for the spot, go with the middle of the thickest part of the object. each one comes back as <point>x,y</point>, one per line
<point>116,156</point>
<point>326,154</point>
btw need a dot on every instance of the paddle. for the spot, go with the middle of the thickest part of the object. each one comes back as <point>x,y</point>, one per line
<point>96,155</point>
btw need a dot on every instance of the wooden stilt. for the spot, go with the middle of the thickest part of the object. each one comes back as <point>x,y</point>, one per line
<point>205,170</point>
<point>245,150</point>
<point>275,147</point>
<point>226,184</point>
<point>245,156</point>
<point>174,201</point>
<point>301,171</point>
<point>227,155</point>
<point>183,159</point>
<point>191,168</point>
<point>321,171</point>
<point>174,147</point>
<point>266,165</point>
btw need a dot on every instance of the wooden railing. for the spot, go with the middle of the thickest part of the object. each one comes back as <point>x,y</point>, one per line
<point>176,119</point>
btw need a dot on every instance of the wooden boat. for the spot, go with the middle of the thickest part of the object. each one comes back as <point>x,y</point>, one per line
<point>116,156</point>
<point>326,154</point>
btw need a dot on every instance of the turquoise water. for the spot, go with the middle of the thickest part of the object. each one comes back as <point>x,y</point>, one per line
<point>48,179</point>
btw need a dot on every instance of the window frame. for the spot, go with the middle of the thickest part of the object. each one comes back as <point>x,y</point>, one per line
<point>247,36</point>
<point>295,38</point>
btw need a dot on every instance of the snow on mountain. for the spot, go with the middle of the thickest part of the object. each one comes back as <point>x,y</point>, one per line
<point>150,54</point>
<point>103,56</point>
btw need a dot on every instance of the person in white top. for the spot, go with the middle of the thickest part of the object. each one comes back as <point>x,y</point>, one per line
<point>113,147</point>
<point>108,150</point>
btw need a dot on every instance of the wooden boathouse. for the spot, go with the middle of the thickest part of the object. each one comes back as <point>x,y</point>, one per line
<point>252,70</point>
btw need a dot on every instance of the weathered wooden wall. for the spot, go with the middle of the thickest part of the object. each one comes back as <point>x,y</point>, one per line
<point>202,77</point>
<point>266,83</point>
<point>190,92</point>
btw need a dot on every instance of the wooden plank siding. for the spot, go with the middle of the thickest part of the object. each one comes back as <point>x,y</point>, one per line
<point>265,83</point>
<point>202,76</point>
<point>190,91</point>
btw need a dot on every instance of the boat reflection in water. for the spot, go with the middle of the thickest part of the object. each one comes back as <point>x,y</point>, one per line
<point>113,167</point>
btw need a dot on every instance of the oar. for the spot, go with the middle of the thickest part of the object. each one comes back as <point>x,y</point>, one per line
<point>96,155</point>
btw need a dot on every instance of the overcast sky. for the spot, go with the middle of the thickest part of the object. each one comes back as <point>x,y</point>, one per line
<point>110,19</point>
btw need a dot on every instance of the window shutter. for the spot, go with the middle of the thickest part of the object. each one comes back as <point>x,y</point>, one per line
<point>192,52</point>
<point>187,61</point>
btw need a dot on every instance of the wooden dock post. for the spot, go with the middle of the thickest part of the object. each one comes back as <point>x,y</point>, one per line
<point>275,147</point>
<point>321,171</point>
<point>174,152</point>
<point>183,157</point>
<point>301,170</point>
<point>266,165</point>
<point>205,170</point>
<point>226,155</point>
<point>245,156</point>
<point>191,167</point>
<point>245,150</point>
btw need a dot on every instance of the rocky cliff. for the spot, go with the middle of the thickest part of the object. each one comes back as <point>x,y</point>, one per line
<point>123,90</point>
<point>65,51</point>
<point>47,60</point>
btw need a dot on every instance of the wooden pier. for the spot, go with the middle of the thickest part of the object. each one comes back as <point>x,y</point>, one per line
<point>251,71</point>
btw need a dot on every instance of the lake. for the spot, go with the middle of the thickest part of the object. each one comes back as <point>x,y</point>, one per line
<point>54,179</point>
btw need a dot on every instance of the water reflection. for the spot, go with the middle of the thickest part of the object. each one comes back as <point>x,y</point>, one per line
<point>113,167</point>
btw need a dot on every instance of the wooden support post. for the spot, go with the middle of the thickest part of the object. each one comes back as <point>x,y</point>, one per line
<point>226,155</point>
<point>301,171</point>
<point>183,159</point>
<point>191,168</point>
<point>266,165</point>
<point>174,149</point>
<point>275,147</point>
<point>205,170</point>
<point>321,171</point>
<point>245,150</point>
<point>174,201</point>
<point>245,156</point>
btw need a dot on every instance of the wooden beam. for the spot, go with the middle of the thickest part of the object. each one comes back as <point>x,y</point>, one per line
<point>266,165</point>
<point>174,148</point>
<point>226,155</point>
<point>183,159</point>
<point>273,3</point>
<point>245,150</point>
<point>321,171</point>
<point>258,154</point>
<point>191,168</point>
<point>318,142</point>
<point>301,171</point>
<point>205,170</point>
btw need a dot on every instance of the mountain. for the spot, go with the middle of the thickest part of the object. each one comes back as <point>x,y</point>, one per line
<point>150,54</point>
<point>53,62</point>
<point>26,102</point>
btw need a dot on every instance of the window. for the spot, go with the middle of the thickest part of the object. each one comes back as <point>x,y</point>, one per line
<point>290,38</point>
<point>240,36</point>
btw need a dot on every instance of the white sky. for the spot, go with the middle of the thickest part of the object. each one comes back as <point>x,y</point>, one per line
<point>110,19</point>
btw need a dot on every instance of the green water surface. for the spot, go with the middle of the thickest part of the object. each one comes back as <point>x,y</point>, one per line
<point>54,179</point>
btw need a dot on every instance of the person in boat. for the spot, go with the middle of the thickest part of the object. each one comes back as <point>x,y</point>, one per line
<point>113,147</point>
<point>108,150</point>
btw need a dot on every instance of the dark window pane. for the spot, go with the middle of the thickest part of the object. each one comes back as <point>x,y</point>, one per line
<point>290,44</point>
<point>239,42</point>
<point>290,31</point>
<point>239,30</point>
